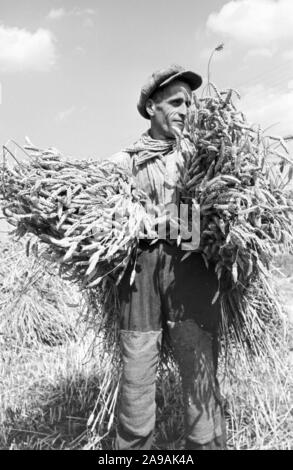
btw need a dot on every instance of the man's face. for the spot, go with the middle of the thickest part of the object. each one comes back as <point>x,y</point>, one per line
<point>169,110</point>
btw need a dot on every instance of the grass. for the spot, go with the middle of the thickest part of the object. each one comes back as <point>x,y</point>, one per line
<point>259,405</point>
<point>47,396</point>
<point>48,392</point>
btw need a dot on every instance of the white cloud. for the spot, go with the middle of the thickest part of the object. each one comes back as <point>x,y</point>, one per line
<point>82,11</point>
<point>290,84</point>
<point>22,50</point>
<point>258,23</point>
<point>90,11</point>
<point>268,107</point>
<point>56,13</point>
<point>64,115</point>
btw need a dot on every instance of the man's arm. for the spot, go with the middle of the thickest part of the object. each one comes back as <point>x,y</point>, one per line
<point>122,159</point>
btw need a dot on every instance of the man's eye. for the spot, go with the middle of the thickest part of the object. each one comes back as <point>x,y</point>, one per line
<point>179,102</point>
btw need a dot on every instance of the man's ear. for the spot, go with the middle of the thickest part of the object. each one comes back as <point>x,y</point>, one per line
<point>150,107</point>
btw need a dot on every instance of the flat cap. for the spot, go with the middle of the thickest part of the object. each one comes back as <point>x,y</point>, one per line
<point>163,77</point>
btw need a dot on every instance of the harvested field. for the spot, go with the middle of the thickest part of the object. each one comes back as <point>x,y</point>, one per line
<point>49,392</point>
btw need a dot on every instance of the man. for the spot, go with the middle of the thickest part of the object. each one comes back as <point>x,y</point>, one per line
<point>171,292</point>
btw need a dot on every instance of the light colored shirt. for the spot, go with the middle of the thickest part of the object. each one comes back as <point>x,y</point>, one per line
<point>157,177</point>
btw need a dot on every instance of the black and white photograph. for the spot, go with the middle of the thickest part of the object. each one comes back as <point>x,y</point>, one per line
<point>146,235</point>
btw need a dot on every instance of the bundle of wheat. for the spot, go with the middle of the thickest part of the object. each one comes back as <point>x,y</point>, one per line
<point>88,213</point>
<point>36,306</point>
<point>241,179</point>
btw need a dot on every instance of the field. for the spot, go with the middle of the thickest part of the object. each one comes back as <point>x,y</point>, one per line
<point>48,391</point>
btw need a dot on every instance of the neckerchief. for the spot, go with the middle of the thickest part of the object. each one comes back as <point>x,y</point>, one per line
<point>147,148</point>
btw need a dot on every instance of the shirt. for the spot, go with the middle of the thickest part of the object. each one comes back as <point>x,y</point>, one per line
<point>158,177</point>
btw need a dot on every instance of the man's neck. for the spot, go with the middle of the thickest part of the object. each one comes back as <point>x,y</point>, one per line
<point>157,135</point>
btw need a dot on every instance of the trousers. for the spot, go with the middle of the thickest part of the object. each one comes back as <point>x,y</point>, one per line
<point>172,293</point>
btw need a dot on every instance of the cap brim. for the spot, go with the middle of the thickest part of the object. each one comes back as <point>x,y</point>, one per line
<point>187,76</point>
<point>191,78</point>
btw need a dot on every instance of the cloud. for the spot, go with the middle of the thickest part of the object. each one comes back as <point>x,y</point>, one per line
<point>22,50</point>
<point>56,13</point>
<point>254,22</point>
<point>268,107</point>
<point>90,11</point>
<point>64,115</point>
<point>82,11</point>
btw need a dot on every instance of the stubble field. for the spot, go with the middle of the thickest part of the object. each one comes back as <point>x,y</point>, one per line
<point>48,391</point>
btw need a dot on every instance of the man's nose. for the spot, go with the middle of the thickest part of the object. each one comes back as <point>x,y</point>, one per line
<point>182,111</point>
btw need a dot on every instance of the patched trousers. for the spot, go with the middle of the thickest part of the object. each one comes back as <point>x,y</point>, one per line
<point>174,293</point>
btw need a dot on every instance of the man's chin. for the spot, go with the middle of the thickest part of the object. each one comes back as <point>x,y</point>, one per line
<point>177,130</point>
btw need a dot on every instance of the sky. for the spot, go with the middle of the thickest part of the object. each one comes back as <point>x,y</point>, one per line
<point>71,71</point>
